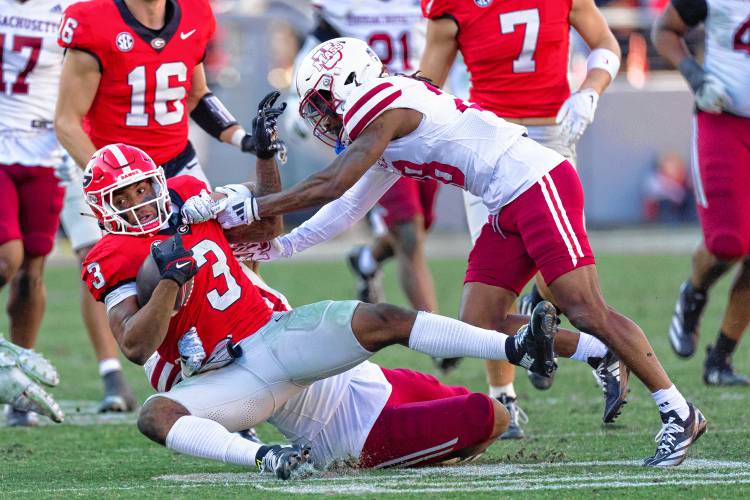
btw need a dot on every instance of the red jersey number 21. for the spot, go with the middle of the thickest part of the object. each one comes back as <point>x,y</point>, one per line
<point>168,107</point>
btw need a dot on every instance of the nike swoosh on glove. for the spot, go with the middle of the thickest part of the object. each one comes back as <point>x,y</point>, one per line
<point>576,114</point>
<point>712,96</point>
<point>174,261</point>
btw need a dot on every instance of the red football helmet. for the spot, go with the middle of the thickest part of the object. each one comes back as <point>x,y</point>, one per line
<point>114,167</point>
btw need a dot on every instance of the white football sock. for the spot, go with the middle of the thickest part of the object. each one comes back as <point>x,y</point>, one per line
<point>671,399</point>
<point>589,347</point>
<point>498,390</point>
<point>204,438</point>
<point>367,263</point>
<point>442,337</point>
<point>109,365</point>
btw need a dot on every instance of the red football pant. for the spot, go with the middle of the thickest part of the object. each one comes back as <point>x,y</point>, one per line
<point>541,229</point>
<point>30,204</point>
<point>721,153</point>
<point>424,421</point>
<point>408,198</point>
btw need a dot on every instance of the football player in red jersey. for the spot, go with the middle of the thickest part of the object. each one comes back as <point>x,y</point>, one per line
<point>133,72</point>
<point>253,360</point>
<point>517,55</point>
<point>721,172</point>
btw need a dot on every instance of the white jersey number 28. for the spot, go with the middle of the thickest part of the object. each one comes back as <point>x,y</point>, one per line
<point>163,95</point>
<point>524,63</point>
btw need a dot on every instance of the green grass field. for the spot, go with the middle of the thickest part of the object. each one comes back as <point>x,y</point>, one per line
<point>568,452</point>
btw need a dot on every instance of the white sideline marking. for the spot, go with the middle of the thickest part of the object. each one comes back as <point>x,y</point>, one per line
<point>488,478</point>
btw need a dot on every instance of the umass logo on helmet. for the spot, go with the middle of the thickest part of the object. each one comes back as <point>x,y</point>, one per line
<point>328,56</point>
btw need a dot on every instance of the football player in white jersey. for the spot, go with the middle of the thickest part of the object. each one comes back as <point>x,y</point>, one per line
<point>29,152</point>
<point>31,74</point>
<point>401,126</point>
<point>406,211</point>
<point>721,171</point>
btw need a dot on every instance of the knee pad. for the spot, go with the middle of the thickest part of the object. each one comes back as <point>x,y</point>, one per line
<point>727,246</point>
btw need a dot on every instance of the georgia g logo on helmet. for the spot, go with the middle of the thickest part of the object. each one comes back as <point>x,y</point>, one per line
<point>328,56</point>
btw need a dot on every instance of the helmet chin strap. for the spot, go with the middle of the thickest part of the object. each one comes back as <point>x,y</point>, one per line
<point>340,146</point>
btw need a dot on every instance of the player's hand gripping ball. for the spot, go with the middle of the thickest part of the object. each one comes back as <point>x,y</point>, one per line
<point>169,260</point>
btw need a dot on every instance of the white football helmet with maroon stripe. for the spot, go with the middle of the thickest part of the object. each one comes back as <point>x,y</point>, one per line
<point>326,77</point>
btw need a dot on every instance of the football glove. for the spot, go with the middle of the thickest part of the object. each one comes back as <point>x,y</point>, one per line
<point>241,207</point>
<point>201,208</point>
<point>174,261</point>
<point>18,367</point>
<point>263,142</point>
<point>265,251</point>
<point>32,363</point>
<point>191,352</point>
<point>712,96</point>
<point>576,113</point>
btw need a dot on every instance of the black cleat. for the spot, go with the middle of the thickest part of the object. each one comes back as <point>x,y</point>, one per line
<point>534,341</point>
<point>612,375</point>
<point>526,304</point>
<point>540,382</point>
<point>369,286</point>
<point>517,416</point>
<point>718,371</point>
<point>684,329</point>
<point>283,460</point>
<point>118,397</point>
<point>676,436</point>
<point>446,365</point>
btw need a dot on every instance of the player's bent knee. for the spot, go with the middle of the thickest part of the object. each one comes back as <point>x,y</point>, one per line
<point>157,417</point>
<point>27,281</point>
<point>380,325</point>
<point>408,237</point>
<point>726,246</point>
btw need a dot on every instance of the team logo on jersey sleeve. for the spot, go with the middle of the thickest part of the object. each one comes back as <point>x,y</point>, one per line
<point>483,3</point>
<point>124,41</point>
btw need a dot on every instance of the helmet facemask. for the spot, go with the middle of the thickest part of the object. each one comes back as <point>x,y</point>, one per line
<point>320,109</point>
<point>118,221</point>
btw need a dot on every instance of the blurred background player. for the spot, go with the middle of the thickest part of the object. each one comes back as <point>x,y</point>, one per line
<point>517,55</point>
<point>721,171</point>
<point>407,209</point>
<point>31,197</point>
<point>133,72</point>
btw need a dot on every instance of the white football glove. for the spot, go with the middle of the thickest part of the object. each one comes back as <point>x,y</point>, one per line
<point>265,251</point>
<point>201,208</point>
<point>19,368</point>
<point>712,96</point>
<point>191,351</point>
<point>241,207</point>
<point>67,172</point>
<point>576,113</point>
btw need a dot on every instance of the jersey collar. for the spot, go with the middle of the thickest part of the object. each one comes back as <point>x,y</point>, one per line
<point>149,36</point>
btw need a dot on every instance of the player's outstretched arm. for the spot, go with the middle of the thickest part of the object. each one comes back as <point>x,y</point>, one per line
<point>440,50</point>
<point>79,82</point>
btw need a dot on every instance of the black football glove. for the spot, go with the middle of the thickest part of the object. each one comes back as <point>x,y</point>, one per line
<point>264,142</point>
<point>174,261</point>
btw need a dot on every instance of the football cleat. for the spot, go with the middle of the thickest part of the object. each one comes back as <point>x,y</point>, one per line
<point>251,435</point>
<point>684,329</point>
<point>517,417</point>
<point>526,303</point>
<point>676,436</point>
<point>718,371</point>
<point>612,376</point>
<point>539,382</point>
<point>283,460</point>
<point>446,365</point>
<point>534,341</point>
<point>369,286</point>
<point>118,398</point>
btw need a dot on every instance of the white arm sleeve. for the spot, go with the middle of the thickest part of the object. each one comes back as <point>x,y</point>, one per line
<point>340,214</point>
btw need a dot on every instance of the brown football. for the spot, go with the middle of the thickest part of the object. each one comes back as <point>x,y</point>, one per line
<point>148,277</point>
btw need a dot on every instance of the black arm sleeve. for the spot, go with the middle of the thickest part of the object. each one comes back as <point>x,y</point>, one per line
<point>692,12</point>
<point>211,115</point>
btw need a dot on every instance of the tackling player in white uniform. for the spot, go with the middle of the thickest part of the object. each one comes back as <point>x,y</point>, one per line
<point>404,126</point>
<point>29,153</point>
<point>406,211</point>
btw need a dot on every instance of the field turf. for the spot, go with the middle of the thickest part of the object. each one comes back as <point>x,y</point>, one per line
<point>568,452</point>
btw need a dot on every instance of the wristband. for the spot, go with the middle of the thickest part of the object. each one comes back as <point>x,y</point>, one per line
<point>237,137</point>
<point>692,72</point>
<point>603,59</point>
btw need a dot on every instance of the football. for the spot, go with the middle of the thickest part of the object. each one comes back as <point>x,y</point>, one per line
<point>148,277</point>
